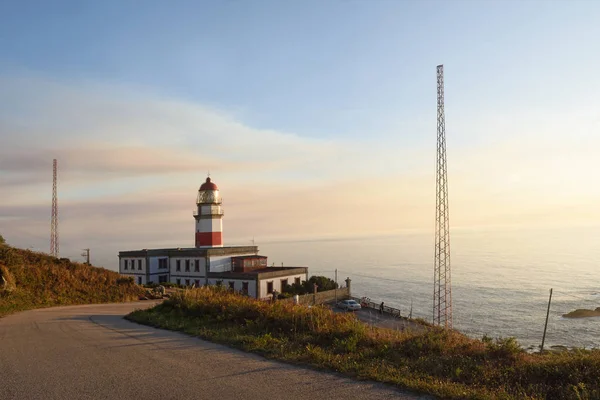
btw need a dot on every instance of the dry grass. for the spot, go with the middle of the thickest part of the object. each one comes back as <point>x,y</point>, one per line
<point>439,362</point>
<point>39,280</point>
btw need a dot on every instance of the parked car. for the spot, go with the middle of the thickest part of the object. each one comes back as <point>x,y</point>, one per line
<point>349,305</point>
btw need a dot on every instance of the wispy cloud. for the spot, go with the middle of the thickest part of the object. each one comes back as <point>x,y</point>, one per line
<point>131,161</point>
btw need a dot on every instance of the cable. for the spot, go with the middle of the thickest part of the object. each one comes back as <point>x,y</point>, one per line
<point>373,277</point>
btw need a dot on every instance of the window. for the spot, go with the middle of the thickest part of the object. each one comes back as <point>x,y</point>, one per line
<point>197,266</point>
<point>231,285</point>
<point>297,281</point>
<point>125,264</point>
<point>162,279</point>
<point>178,281</point>
<point>187,282</point>
<point>139,265</point>
<point>245,287</point>
<point>139,280</point>
<point>162,263</point>
<point>284,283</point>
<point>197,282</point>
<point>270,287</point>
<point>178,265</point>
<point>187,265</point>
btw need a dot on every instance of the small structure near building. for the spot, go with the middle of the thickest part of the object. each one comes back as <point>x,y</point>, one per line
<point>239,268</point>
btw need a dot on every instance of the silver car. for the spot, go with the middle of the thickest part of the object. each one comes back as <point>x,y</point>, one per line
<point>349,305</point>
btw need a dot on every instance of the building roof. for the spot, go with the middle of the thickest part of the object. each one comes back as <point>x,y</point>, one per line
<point>208,185</point>
<point>262,273</point>
<point>249,256</point>
<point>192,252</point>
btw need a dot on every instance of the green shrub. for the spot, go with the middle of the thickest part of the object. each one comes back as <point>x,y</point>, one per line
<point>323,283</point>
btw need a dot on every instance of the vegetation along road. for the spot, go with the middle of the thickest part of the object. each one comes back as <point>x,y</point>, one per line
<point>91,352</point>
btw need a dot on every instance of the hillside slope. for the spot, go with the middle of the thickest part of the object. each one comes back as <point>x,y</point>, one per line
<point>33,280</point>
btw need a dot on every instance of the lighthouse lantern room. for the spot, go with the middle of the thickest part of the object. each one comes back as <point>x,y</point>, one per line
<point>209,216</point>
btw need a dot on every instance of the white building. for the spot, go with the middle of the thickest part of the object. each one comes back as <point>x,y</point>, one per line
<point>210,263</point>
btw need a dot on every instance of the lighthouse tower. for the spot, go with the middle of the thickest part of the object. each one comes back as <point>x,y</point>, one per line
<point>209,216</point>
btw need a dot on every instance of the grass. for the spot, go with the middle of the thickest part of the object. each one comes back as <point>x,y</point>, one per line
<point>35,280</point>
<point>439,362</point>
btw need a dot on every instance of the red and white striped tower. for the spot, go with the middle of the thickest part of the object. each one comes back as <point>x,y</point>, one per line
<point>209,216</point>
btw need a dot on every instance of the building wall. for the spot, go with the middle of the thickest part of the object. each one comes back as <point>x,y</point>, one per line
<point>154,271</point>
<point>327,296</point>
<point>153,266</point>
<point>188,281</point>
<point>209,225</point>
<point>237,284</point>
<point>209,239</point>
<point>182,273</point>
<point>248,263</point>
<point>220,264</point>
<point>277,283</point>
<point>223,263</point>
<point>139,266</point>
<point>140,279</point>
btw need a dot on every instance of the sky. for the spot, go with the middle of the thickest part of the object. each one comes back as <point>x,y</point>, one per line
<point>317,119</point>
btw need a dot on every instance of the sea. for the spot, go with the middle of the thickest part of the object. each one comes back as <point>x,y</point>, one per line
<point>501,277</point>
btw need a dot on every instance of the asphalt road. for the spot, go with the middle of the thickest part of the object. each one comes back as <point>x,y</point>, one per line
<point>91,352</point>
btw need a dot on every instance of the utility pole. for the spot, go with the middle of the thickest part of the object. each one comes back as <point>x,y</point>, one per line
<point>86,254</point>
<point>336,286</point>
<point>442,288</point>
<point>54,217</point>
<point>546,324</point>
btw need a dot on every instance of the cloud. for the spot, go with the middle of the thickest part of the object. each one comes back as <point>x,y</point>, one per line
<point>131,161</point>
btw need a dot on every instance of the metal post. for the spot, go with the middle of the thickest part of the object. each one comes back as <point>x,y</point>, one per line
<point>87,256</point>
<point>546,324</point>
<point>336,286</point>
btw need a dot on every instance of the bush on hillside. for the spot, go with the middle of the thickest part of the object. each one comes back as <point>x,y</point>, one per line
<point>323,283</point>
<point>152,285</point>
<point>125,280</point>
<point>41,281</point>
<point>439,361</point>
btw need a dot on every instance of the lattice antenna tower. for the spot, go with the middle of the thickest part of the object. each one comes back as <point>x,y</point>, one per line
<point>442,288</point>
<point>54,219</point>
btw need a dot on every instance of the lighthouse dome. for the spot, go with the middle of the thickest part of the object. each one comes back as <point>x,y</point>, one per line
<point>208,193</point>
<point>208,185</point>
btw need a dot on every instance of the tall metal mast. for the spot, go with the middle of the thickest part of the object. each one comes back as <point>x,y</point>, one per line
<point>442,288</point>
<point>54,219</point>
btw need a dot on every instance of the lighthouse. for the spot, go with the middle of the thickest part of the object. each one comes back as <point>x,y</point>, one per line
<point>209,216</point>
<point>239,268</point>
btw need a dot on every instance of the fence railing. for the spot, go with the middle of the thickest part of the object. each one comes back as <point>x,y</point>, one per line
<point>208,212</point>
<point>366,302</point>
